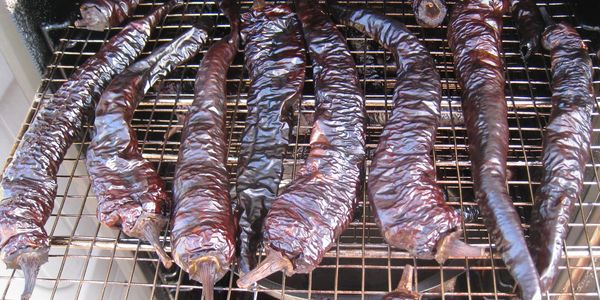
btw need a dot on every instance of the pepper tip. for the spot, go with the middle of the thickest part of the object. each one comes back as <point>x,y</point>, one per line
<point>152,235</point>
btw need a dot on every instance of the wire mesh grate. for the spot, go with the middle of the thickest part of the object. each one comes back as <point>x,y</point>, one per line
<point>90,261</point>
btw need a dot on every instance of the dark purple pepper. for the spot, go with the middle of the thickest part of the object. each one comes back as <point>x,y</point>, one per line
<point>131,195</point>
<point>566,147</point>
<point>203,228</point>
<point>275,60</point>
<point>99,15</point>
<point>408,205</point>
<point>29,181</point>
<point>318,205</point>
<point>474,37</point>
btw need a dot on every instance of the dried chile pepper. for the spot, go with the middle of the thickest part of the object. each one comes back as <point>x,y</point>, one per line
<point>429,13</point>
<point>474,37</point>
<point>408,205</point>
<point>317,206</point>
<point>275,60</point>
<point>29,181</point>
<point>131,194</point>
<point>203,229</point>
<point>101,14</point>
<point>566,145</point>
<point>529,23</point>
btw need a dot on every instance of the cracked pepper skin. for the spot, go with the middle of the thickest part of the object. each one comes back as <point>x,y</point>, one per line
<point>566,147</point>
<point>276,61</point>
<point>474,37</point>
<point>131,194</point>
<point>317,206</point>
<point>99,15</point>
<point>29,181</point>
<point>408,205</point>
<point>203,228</point>
<point>530,25</point>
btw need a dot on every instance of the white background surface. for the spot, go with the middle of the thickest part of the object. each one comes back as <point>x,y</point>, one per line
<point>18,83</point>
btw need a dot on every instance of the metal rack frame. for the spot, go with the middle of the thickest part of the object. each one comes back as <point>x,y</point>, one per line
<point>78,239</point>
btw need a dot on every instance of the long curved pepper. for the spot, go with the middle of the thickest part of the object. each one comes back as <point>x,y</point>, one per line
<point>29,181</point>
<point>203,229</point>
<point>408,205</point>
<point>101,14</point>
<point>474,37</point>
<point>317,206</point>
<point>530,25</point>
<point>275,59</point>
<point>566,147</point>
<point>130,193</point>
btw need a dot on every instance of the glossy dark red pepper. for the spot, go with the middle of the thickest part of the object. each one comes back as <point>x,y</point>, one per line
<point>275,59</point>
<point>407,203</point>
<point>99,15</point>
<point>530,25</point>
<point>305,221</point>
<point>566,147</point>
<point>29,181</point>
<point>429,13</point>
<point>203,229</point>
<point>474,37</point>
<point>130,193</point>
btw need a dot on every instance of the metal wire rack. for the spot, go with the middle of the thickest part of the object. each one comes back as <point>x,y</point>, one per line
<point>90,261</point>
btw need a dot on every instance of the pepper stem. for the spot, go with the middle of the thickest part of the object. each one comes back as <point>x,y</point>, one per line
<point>152,235</point>
<point>431,12</point>
<point>406,282</point>
<point>451,245</point>
<point>205,272</point>
<point>274,262</point>
<point>432,9</point>
<point>30,264</point>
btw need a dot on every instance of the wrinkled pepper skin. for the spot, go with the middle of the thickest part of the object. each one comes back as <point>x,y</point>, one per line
<point>275,60</point>
<point>407,203</point>
<point>203,227</point>
<point>566,147</point>
<point>530,25</point>
<point>306,219</point>
<point>130,193</point>
<point>474,37</point>
<point>29,181</point>
<point>98,15</point>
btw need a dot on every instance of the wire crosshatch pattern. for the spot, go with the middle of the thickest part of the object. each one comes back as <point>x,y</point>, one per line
<point>86,256</point>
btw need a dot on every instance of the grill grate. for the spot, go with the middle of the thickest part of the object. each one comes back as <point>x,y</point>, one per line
<point>90,261</point>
